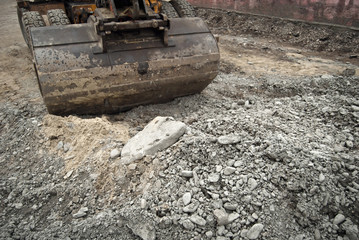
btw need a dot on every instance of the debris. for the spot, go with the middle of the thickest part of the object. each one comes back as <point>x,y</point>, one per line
<point>296,162</point>
<point>159,134</point>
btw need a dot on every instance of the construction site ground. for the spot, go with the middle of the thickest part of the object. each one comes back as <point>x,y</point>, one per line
<point>287,96</point>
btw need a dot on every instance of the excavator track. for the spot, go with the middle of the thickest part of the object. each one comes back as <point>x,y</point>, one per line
<point>57,17</point>
<point>169,10</point>
<point>27,20</point>
<point>183,8</point>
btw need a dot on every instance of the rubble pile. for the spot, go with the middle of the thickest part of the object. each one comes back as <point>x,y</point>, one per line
<point>259,154</point>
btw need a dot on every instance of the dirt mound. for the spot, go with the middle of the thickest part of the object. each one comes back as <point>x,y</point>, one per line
<point>75,138</point>
<point>315,37</point>
<point>81,141</point>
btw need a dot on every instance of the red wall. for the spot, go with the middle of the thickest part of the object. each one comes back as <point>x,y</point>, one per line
<point>343,12</point>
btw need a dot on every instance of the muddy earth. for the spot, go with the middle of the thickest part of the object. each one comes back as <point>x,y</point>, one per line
<point>270,150</point>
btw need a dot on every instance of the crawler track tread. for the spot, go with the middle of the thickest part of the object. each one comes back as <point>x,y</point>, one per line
<point>169,10</point>
<point>57,17</point>
<point>28,20</point>
<point>183,8</point>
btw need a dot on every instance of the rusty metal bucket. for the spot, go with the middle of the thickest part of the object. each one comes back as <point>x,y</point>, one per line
<point>76,76</point>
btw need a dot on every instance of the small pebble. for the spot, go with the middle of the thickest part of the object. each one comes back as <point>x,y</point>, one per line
<point>321,177</point>
<point>143,203</point>
<point>213,177</point>
<point>229,170</point>
<point>317,234</point>
<point>198,220</point>
<point>186,198</point>
<point>187,174</point>
<point>252,184</point>
<point>338,219</point>
<point>221,217</point>
<point>114,153</point>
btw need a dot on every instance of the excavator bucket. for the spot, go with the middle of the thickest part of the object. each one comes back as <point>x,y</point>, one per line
<point>82,72</point>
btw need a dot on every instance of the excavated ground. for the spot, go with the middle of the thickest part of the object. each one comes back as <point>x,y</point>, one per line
<point>290,91</point>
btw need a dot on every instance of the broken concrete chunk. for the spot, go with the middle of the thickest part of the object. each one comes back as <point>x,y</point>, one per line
<point>159,134</point>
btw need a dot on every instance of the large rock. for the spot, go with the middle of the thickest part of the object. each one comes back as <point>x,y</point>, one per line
<point>159,134</point>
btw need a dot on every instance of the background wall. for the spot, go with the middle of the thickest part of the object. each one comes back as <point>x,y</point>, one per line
<point>343,12</point>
